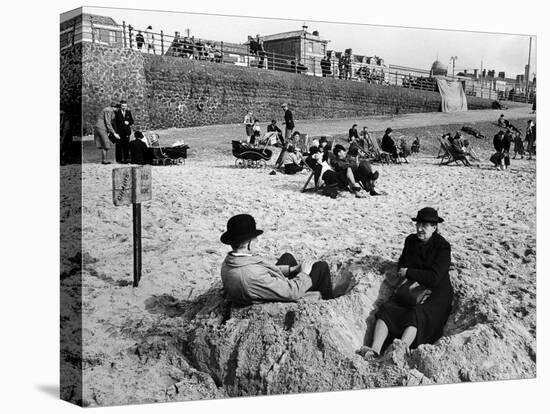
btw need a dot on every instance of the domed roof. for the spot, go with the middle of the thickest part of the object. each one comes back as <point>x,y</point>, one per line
<point>438,68</point>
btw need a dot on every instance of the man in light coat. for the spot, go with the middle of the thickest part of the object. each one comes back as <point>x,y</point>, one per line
<point>248,279</point>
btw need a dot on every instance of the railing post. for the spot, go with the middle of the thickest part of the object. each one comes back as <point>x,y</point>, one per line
<point>92,28</point>
<point>314,65</point>
<point>161,42</point>
<point>130,35</point>
<point>124,33</point>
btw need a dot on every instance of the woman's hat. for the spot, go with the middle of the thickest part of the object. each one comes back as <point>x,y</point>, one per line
<point>427,215</point>
<point>138,134</point>
<point>388,130</point>
<point>240,228</point>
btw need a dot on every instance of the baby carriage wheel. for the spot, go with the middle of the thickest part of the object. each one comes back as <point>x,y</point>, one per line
<point>249,163</point>
<point>180,161</point>
<point>239,163</point>
<point>262,164</point>
<point>166,161</point>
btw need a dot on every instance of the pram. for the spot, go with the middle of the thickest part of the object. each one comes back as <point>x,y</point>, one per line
<point>248,157</point>
<point>175,155</point>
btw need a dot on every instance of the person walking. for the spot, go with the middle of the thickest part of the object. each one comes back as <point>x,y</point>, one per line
<point>140,40</point>
<point>289,122</point>
<point>104,131</point>
<point>123,126</point>
<point>530,138</point>
<point>150,40</point>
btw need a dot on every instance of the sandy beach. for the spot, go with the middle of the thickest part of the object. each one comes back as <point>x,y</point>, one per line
<point>167,339</point>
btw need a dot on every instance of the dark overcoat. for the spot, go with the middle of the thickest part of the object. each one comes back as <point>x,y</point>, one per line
<point>428,264</point>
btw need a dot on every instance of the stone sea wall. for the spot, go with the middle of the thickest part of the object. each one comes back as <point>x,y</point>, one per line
<point>165,92</point>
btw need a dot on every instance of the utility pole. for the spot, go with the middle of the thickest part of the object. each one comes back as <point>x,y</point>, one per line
<point>528,72</point>
<point>454,58</point>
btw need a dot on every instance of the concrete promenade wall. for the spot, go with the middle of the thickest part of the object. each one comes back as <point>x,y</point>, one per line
<point>165,92</point>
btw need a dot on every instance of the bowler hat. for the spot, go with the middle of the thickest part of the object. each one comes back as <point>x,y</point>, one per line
<point>388,130</point>
<point>240,228</point>
<point>428,215</point>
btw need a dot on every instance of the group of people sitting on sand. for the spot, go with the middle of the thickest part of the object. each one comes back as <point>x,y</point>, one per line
<point>335,168</point>
<point>415,314</point>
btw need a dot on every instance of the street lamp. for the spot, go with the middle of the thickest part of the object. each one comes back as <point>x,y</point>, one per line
<point>454,58</point>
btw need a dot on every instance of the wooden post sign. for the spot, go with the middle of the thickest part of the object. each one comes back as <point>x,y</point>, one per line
<point>132,185</point>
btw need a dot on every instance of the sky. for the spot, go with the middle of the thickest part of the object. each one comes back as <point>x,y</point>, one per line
<point>404,46</point>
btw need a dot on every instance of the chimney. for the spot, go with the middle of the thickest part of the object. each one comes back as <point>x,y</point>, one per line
<point>465,71</point>
<point>475,73</point>
<point>501,75</point>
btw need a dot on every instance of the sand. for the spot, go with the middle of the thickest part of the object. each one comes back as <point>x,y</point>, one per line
<point>144,344</point>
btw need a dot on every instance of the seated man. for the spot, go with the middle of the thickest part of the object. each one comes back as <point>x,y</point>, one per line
<point>501,121</point>
<point>248,279</point>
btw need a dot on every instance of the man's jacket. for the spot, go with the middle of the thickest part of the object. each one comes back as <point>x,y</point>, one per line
<point>249,279</point>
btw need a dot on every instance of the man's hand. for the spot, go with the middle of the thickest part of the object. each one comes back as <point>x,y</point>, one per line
<point>402,272</point>
<point>306,266</point>
<point>117,136</point>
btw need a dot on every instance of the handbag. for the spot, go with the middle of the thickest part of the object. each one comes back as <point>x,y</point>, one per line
<point>411,293</point>
<point>113,139</point>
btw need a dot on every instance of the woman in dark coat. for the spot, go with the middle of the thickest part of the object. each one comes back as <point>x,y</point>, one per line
<point>388,144</point>
<point>425,259</point>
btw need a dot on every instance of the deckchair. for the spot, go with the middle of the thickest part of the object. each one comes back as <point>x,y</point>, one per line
<point>448,155</point>
<point>379,155</point>
<point>315,173</point>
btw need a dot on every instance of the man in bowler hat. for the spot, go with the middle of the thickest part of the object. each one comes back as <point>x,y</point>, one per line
<point>248,279</point>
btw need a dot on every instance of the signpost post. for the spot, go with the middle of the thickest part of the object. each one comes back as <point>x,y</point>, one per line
<point>132,185</point>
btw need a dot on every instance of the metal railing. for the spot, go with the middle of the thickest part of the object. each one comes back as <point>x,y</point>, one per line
<point>344,68</point>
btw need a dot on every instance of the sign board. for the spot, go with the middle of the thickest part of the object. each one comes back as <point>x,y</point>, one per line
<point>131,185</point>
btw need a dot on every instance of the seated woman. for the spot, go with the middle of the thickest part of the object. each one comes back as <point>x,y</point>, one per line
<point>388,144</point>
<point>273,128</point>
<point>248,279</point>
<point>425,259</point>
<point>292,161</point>
<point>405,150</point>
<point>457,148</point>
<point>415,147</point>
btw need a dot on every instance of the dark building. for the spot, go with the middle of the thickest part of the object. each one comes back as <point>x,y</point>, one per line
<point>76,26</point>
<point>299,46</point>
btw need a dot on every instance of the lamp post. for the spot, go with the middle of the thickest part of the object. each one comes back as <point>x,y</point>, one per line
<point>454,58</point>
